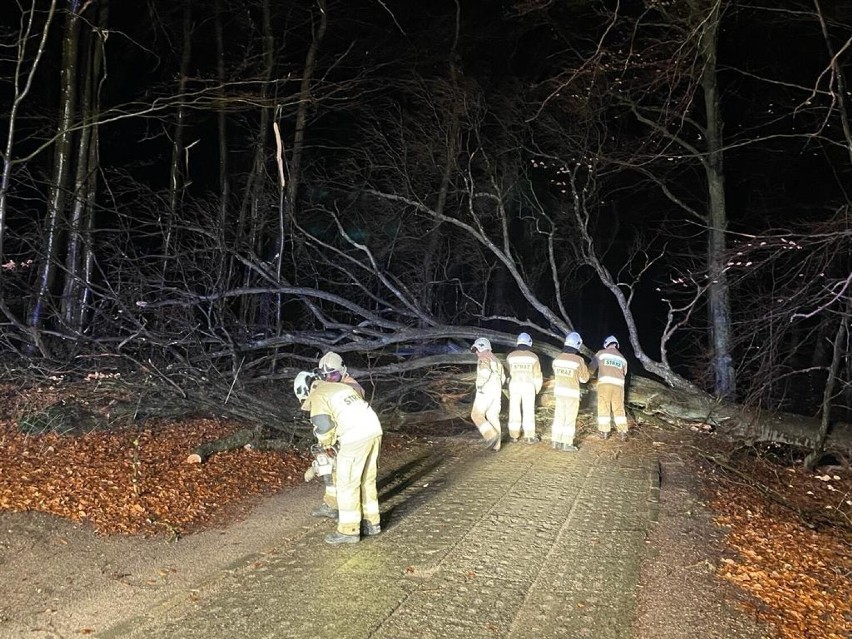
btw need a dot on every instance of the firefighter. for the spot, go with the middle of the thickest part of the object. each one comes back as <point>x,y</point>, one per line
<point>611,368</point>
<point>341,417</point>
<point>525,382</point>
<point>569,371</point>
<point>331,369</point>
<point>490,377</point>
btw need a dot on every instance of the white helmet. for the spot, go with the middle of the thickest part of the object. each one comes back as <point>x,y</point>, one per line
<point>331,367</point>
<point>302,385</point>
<point>524,339</point>
<point>481,345</point>
<point>610,340</point>
<point>574,340</point>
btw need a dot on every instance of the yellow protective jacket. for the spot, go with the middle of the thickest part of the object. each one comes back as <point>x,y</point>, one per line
<point>490,374</point>
<point>338,413</point>
<point>611,366</point>
<point>524,367</point>
<point>569,371</point>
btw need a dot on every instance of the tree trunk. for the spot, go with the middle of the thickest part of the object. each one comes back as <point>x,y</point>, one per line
<point>178,168</point>
<point>453,114</point>
<point>841,349</point>
<point>682,408</point>
<point>79,257</point>
<point>289,186</point>
<point>62,161</point>
<point>222,129</point>
<point>23,82</point>
<point>295,163</point>
<point>241,438</point>
<point>250,231</point>
<point>719,305</point>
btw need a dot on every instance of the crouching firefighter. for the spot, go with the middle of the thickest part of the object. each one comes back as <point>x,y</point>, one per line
<point>330,368</point>
<point>490,377</point>
<point>342,418</point>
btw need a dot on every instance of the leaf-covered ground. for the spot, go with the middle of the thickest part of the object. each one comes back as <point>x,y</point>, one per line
<point>790,533</point>
<point>137,481</point>
<point>794,564</point>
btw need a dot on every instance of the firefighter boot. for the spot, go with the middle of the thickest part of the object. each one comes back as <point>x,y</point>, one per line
<point>370,530</point>
<point>336,538</point>
<point>324,510</point>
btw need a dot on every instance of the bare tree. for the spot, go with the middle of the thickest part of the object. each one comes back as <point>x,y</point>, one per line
<point>63,161</point>
<point>29,52</point>
<point>179,164</point>
<point>79,257</point>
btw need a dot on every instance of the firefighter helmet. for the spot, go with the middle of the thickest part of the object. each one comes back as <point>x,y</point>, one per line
<point>331,368</point>
<point>302,385</point>
<point>524,339</point>
<point>610,340</point>
<point>481,345</point>
<point>574,340</point>
<point>331,361</point>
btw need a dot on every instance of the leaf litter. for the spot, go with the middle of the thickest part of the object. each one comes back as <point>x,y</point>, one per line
<point>134,481</point>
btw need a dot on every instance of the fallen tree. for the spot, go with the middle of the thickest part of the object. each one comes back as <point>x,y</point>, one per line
<point>408,393</point>
<point>653,403</point>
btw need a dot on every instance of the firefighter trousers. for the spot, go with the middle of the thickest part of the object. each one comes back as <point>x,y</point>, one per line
<point>611,408</point>
<point>485,414</point>
<point>521,409</point>
<point>357,495</point>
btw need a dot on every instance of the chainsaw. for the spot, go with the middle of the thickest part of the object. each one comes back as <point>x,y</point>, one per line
<point>323,464</point>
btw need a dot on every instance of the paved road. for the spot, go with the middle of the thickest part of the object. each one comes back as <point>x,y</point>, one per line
<point>526,542</point>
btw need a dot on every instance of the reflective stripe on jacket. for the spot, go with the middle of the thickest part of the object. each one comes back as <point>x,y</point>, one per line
<point>569,371</point>
<point>524,367</point>
<point>611,366</point>
<point>353,418</point>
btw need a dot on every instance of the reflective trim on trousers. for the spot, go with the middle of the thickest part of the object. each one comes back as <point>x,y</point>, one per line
<point>330,496</point>
<point>357,495</point>
<point>566,392</point>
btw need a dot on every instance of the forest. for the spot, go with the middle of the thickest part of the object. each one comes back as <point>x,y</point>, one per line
<point>198,198</point>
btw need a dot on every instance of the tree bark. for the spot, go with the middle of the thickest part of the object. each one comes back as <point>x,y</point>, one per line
<point>719,305</point>
<point>840,348</point>
<point>62,161</point>
<point>178,168</point>
<point>79,257</point>
<point>735,422</point>
<point>250,223</point>
<point>23,83</point>
<point>241,438</point>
